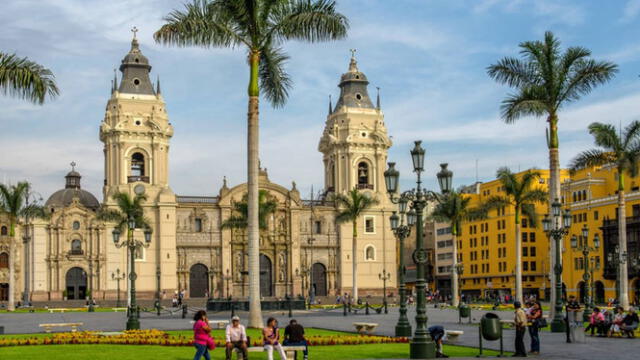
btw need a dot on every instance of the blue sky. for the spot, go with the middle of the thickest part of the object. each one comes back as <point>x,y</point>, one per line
<point>428,57</point>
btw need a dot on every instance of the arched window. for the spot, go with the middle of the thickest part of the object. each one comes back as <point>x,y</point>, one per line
<point>76,247</point>
<point>369,253</point>
<point>4,231</point>
<point>198,224</point>
<point>76,225</point>
<point>137,164</point>
<point>363,175</point>
<point>4,261</point>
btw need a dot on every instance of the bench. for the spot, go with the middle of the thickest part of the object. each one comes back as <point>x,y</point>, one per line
<point>116,309</point>
<point>73,326</point>
<point>453,335</point>
<point>290,351</point>
<point>221,324</point>
<point>59,310</point>
<point>365,328</point>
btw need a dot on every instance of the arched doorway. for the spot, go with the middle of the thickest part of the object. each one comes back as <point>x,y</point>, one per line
<point>319,279</point>
<point>198,281</point>
<point>4,292</point>
<point>581,292</point>
<point>599,292</point>
<point>636,291</point>
<point>266,277</point>
<point>76,284</point>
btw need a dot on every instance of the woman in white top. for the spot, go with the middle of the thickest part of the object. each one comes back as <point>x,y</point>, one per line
<point>271,337</point>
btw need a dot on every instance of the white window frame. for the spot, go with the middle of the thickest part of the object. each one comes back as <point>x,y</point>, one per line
<point>373,219</point>
<point>366,247</point>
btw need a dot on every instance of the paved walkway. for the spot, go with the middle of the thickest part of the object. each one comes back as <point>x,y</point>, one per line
<point>553,345</point>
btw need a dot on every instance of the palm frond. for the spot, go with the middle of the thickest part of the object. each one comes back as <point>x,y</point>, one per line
<point>589,158</point>
<point>606,136</point>
<point>352,205</point>
<point>25,79</point>
<point>584,76</point>
<point>529,210</point>
<point>528,101</point>
<point>274,80</point>
<point>513,72</point>
<point>307,20</point>
<point>631,134</point>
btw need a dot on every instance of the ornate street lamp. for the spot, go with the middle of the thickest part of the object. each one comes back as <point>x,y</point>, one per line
<point>118,278</point>
<point>586,276</point>
<point>421,346</point>
<point>384,276</point>
<point>616,259</point>
<point>556,227</point>
<point>133,321</point>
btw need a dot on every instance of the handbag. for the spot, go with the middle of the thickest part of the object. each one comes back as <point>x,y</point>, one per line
<point>541,323</point>
<point>211,343</point>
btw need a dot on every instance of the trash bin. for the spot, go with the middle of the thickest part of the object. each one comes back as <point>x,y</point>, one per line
<point>490,327</point>
<point>1,330</point>
<point>465,311</point>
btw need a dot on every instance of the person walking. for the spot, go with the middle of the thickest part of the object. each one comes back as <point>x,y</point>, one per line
<point>535,318</point>
<point>201,338</point>
<point>294,336</point>
<point>236,337</point>
<point>520,322</point>
<point>271,337</point>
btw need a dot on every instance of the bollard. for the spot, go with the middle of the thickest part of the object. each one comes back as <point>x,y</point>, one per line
<point>366,307</point>
<point>344,309</point>
<point>157,306</point>
<point>233,309</point>
<point>184,311</point>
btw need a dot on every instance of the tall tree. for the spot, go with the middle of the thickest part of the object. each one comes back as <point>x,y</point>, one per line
<point>238,219</point>
<point>25,79</point>
<point>350,206</point>
<point>128,208</point>
<point>455,208</point>
<point>623,151</point>
<point>544,80</point>
<point>520,194</point>
<point>13,204</point>
<point>261,27</point>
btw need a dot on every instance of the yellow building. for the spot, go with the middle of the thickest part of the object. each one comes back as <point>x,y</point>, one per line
<point>592,196</point>
<point>486,248</point>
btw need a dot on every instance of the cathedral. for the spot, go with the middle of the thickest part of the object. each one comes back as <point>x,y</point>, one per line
<point>302,248</point>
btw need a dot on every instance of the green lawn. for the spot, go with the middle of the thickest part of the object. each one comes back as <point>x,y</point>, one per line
<point>125,352</point>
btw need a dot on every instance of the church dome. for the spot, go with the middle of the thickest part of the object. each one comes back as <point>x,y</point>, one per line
<point>353,88</point>
<point>64,197</point>
<point>135,70</point>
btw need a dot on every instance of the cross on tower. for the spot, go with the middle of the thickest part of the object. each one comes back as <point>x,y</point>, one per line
<point>73,166</point>
<point>353,53</point>
<point>134,30</point>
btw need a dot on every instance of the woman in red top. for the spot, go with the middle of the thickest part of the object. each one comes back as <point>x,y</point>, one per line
<point>534,317</point>
<point>201,337</point>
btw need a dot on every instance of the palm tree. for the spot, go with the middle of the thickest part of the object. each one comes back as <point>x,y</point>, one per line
<point>350,206</point>
<point>545,80</point>
<point>519,193</point>
<point>13,204</point>
<point>260,26</point>
<point>238,220</point>
<point>25,79</point>
<point>455,208</point>
<point>624,151</point>
<point>128,208</point>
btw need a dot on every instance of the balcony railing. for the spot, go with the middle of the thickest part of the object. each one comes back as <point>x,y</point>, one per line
<point>132,179</point>
<point>76,252</point>
<point>365,186</point>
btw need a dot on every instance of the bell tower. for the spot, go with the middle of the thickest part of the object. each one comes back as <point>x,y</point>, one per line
<point>355,141</point>
<point>136,134</point>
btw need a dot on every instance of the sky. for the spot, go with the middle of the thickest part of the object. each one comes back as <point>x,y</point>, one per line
<point>428,57</point>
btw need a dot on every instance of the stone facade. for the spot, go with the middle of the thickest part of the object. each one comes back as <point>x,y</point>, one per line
<point>302,247</point>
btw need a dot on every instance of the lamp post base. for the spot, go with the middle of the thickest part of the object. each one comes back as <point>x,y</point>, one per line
<point>558,326</point>
<point>403,330</point>
<point>422,349</point>
<point>90,308</point>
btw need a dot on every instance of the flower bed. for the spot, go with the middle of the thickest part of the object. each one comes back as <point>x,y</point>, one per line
<point>157,337</point>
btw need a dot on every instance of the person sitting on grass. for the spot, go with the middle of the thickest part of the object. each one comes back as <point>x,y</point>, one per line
<point>294,336</point>
<point>437,335</point>
<point>596,321</point>
<point>630,323</point>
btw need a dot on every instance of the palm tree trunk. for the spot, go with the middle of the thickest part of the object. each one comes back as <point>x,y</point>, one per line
<point>12,267</point>
<point>354,261</point>
<point>454,270</point>
<point>622,243</point>
<point>255,313</point>
<point>554,193</point>
<point>518,256</point>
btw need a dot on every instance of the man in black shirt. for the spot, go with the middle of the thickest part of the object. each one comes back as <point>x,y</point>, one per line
<point>294,336</point>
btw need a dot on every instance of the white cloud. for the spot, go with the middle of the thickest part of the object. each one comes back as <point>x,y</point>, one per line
<point>631,11</point>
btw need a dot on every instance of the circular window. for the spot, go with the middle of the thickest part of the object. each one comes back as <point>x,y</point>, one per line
<point>138,122</point>
<point>364,134</point>
<point>358,96</point>
<point>136,82</point>
<point>76,225</point>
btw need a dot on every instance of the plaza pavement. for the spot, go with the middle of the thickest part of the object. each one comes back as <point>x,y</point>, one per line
<point>553,346</point>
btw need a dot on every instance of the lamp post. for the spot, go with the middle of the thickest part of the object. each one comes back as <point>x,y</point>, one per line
<point>421,346</point>
<point>133,321</point>
<point>401,231</point>
<point>227,278</point>
<point>556,227</point>
<point>584,247</point>
<point>117,278</point>
<point>384,276</point>
<point>616,259</point>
